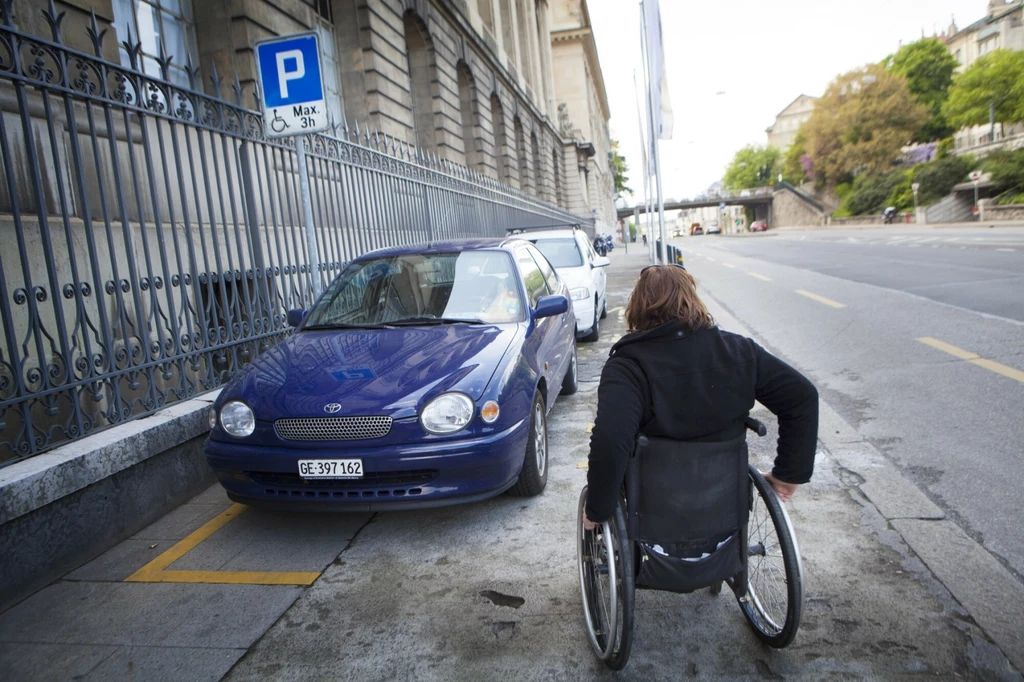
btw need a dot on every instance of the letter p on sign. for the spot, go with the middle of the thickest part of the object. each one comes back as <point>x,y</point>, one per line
<point>284,75</point>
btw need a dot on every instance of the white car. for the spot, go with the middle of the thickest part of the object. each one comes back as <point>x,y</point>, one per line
<point>569,251</point>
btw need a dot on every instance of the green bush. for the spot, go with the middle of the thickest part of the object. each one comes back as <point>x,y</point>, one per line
<point>937,178</point>
<point>1006,170</point>
<point>870,194</point>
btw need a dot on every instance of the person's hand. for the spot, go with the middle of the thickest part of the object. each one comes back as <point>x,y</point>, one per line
<point>782,489</point>
<point>587,523</point>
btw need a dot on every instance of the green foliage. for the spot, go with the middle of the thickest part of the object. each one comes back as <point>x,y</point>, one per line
<point>928,67</point>
<point>753,166</point>
<point>938,177</point>
<point>794,169</point>
<point>619,169</point>
<point>1011,199</point>
<point>995,78</point>
<point>871,194</point>
<point>860,125</point>
<point>632,231</point>
<point>1006,169</point>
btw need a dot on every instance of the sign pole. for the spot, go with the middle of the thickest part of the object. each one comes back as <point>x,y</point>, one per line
<point>307,216</point>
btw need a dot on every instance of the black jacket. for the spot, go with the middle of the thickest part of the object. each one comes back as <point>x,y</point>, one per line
<point>694,386</point>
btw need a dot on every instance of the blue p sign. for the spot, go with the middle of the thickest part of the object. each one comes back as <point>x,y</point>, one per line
<point>288,69</point>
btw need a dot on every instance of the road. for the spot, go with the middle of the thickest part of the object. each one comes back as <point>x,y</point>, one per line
<point>955,428</point>
<point>489,591</point>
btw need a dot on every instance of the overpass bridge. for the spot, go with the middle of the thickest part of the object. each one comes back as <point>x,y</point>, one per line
<point>759,196</point>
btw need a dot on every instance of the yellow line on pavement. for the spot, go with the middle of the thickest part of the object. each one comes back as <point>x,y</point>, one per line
<point>821,299</point>
<point>583,465</point>
<point>155,571</point>
<point>948,348</point>
<point>590,427</point>
<point>760,277</point>
<point>729,265</point>
<point>974,359</point>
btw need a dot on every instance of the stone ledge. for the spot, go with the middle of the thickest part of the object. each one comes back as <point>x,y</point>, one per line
<point>43,479</point>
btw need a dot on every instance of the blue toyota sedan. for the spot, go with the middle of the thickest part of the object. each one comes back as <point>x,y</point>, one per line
<point>422,377</point>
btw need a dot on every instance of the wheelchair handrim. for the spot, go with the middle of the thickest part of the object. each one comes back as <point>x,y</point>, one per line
<point>761,599</point>
<point>585,549</point>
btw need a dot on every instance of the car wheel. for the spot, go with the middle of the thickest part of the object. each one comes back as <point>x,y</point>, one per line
<point>595,333</point>
<point>571,381</point>
<point>534,475</point>
<point>604,309</point>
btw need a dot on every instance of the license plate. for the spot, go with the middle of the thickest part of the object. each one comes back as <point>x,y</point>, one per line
<point>331,468</point>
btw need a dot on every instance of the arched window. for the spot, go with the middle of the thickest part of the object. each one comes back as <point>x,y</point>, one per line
<point>468,106</point>
<point>556,170</point>
<point>538,175</point>
<point>420,54</point>
<point>500,138</point>
<point>524,182</point>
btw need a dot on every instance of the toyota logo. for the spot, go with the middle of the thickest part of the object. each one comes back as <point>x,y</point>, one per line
<point>331,408</point>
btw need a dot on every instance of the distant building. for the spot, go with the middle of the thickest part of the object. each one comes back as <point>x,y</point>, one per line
<point>782,133</point>
<point>1002,28</point>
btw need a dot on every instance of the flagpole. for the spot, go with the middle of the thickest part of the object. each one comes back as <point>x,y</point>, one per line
<point>643,227</point>
<point>648,175</point>
<point>654,133</point>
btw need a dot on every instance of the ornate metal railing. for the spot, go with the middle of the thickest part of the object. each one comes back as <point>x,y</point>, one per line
<point>151,238</point>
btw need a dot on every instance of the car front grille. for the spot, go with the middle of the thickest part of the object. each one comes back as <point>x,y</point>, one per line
<point>333,428</point>
<point>372,479</point>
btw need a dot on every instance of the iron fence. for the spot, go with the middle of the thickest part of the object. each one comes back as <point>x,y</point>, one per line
<point>152,238</point>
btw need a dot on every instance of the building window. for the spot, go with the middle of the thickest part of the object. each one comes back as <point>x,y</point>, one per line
<point>151,22</point>
<point>500,138</point>
<point>329,61</point>
<point>507,34</point>
<point>484,9</point>
<point>525,60</point>
<point>467,103</point>
<point>420,54</point>
<point>960,56</point>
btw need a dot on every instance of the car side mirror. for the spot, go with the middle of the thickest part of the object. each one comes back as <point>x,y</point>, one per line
<point>296,316</point>
<point>601,262</point>
<point>550,305</point>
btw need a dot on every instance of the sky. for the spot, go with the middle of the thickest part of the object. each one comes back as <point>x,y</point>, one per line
<point>732,66</point>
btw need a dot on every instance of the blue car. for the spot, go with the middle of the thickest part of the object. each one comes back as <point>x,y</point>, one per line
<point>421,378</point>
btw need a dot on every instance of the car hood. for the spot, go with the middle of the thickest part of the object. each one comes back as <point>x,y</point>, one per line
<point>371,372</point>
<point>576,277</point>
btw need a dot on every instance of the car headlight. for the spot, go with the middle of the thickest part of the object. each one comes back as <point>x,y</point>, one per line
<point>237,419</point>
<point>447,413</point>
<point>580,294</point>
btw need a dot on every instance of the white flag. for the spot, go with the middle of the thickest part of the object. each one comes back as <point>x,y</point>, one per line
<point>657,78</point>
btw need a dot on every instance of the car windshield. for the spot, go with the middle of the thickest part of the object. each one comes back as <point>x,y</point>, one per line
<point>561,253</point>
<point>420,289</point>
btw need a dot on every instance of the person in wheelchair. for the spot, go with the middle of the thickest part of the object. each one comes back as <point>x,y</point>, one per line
<point>678,376</point>
<point>671,501</point>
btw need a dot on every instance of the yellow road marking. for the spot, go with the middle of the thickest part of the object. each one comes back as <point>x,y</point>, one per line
<point>155,571</point>
<point>583,465</point>
<point>729,265</point>
<point>615,309</point>
<point>974,358</point>
<point>948,348</point>
<point>590,427</point>
<point>821,299</point>
<point>760,277</point>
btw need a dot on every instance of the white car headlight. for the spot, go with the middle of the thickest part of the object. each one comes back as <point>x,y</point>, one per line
<point>447,413</point>
<point>237,419</point>
<point>580,294</point>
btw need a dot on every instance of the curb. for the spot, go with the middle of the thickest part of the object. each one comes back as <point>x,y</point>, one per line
<point>986,590</point>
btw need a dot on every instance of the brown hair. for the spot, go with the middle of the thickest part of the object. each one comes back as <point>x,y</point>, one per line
<point>665,293</point>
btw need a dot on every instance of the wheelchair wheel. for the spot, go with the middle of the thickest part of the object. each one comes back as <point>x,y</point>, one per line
<point>605,562</point>
<point>774,599</point>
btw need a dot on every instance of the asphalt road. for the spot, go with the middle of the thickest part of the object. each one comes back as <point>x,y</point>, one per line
<point>954,426</point>
<point>489,591</point>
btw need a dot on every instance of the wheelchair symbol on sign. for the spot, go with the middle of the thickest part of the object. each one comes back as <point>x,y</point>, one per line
<point>278,124</point>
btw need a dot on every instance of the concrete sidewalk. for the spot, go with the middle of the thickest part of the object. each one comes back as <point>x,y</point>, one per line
<point>487,591</point>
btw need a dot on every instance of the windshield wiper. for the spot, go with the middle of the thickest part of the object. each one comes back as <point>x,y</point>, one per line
<point>416,321</point>
<point>341,325</point>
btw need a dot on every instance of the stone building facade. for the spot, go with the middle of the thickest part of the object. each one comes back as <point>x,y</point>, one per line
<point>782,133</point>
<point>472,82</point>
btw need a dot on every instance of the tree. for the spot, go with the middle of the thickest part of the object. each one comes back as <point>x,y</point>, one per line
<point>795,162</point>
<point>619,169</point>
<point>860,124</point>
<point>928,67</point>
<point>753,166</point>
<point>996,78</point>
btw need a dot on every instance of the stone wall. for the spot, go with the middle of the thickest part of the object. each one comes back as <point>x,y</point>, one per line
<point>901,219</point>
<point>789,210</point>
<point>993,212</point>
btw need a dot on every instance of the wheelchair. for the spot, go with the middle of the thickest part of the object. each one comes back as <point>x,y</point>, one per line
<point>693,515</point>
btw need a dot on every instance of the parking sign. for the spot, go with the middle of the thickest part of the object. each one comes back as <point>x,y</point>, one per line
<point>291,86</point>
